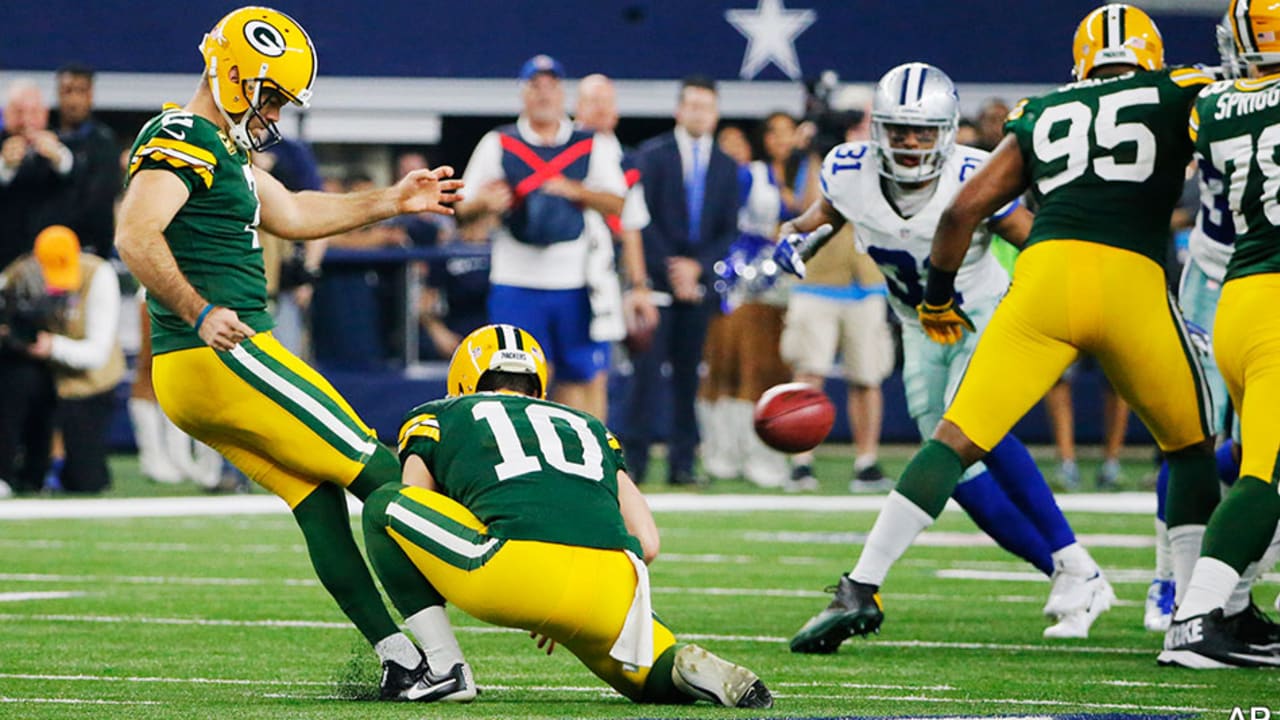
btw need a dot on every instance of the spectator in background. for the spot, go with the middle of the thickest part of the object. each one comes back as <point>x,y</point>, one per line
<point>597,111</point>
<point>35,171</point>
<point>294,266</point>
<point>1115,423</point>
<point>74,345</point>
<point>990,123</point>
<point>423,229</point>
<point>966,133</point>
<point>839,310</point>
<point>453,300</point>
<point>553,185</point>
<point>691,188</point>
<point>734,143</point>
<point>97,177</point>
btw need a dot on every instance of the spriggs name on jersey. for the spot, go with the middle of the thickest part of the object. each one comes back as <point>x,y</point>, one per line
<point>900,246</point>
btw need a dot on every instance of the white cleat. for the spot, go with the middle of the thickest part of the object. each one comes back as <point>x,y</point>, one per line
<point>1072,591</point>
<point>456,686</point>
<point>1158,610</point>
<point>1076,623</point>
<point>700,674</point>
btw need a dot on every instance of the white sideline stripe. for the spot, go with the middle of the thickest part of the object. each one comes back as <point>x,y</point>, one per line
<point>1135,503</point>
<point>864,686</point>
<point>450,541</point>
<point>259,549</point>
<point>148,580</point>
<point>140,679</point>
<point>76,701</point>
<point>319,624</point>
<point>49,595</point>
<point>362,445</point>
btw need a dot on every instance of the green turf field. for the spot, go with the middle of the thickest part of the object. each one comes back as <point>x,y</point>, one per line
<point>220,617</point>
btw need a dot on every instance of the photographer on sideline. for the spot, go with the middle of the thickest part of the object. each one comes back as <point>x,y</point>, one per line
<point>60,360</point>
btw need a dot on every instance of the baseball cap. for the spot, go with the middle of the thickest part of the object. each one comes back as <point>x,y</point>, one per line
<point>541,64</point>
<point>58,252</point>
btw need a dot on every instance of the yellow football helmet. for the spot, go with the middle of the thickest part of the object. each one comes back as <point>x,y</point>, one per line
<point>1116,34</point>
<point>496,347</point>
<point>1255,24</point>
<point>276,63</point>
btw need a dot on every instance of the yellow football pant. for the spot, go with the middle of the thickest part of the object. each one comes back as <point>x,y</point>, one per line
<point>266,411</point>
<point>1068,297</point>
<point>577,596</point>
<point>1246,343</point>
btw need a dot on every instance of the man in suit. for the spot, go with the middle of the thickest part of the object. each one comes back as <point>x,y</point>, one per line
<point>691,188</point>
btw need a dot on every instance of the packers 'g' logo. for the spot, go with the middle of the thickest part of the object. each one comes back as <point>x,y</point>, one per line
<point>264,38</point>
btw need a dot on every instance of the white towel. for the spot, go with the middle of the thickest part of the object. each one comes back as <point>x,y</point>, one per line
<point>634,646</point>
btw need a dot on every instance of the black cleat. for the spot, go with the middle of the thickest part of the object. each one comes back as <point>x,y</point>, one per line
<point>1208,642</point>
<point>855,610</point>
<point>1254,627</point>
<point>397,679</point>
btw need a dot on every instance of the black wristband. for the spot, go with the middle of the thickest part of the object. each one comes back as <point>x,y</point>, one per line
<point>940,287</point>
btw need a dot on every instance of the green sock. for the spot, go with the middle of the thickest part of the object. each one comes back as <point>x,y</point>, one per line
<point>408,589</point>
<point>931,477</point>
<point>1243,525</point>
<point>1193,486</point>
<point>326,526</point>
<point>659,687</point>
<point>382,469</point>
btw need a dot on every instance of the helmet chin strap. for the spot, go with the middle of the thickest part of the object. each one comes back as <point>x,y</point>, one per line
<point>239,131</point>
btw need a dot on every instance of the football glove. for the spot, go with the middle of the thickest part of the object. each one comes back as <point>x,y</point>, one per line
<point>792,250</point>
<point>944,323</point>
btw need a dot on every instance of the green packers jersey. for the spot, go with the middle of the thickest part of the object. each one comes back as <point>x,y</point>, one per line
<point>529,469</point>
<point>1236,136</point>
<point>1106,157</point>
<point>214,236</point>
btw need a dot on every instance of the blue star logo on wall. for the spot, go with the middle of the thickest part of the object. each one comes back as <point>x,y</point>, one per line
<point>771,31</point>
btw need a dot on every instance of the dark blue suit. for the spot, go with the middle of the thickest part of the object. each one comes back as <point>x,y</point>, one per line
<point>682,327</point>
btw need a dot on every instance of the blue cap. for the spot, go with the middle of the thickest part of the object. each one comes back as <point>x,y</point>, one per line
<point>541,64</point>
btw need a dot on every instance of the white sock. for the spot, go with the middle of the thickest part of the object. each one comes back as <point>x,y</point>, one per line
<point>1074,559</point>
<point>1184,544</point>
<point>895,529</point>
<point>862,462</point>
<point>1211,582</point>
<point>431,627</point>
<point>1164,553</point>
<point>1241,596</point>
<point>399,649</point>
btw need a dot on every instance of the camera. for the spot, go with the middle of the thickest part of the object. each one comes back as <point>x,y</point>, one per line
<point>24,313</point>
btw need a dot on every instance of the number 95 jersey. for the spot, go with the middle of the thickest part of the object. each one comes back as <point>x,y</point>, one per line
<point>529,469</point>
<point>1106,157</point>
<point>900,246</point>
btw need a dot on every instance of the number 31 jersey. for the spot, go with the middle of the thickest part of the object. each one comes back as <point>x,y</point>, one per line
<point>900,246</point>
<point>529,469</point>
<point>1107,157</point>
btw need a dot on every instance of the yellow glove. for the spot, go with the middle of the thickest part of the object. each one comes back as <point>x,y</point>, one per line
<point>945,323</point>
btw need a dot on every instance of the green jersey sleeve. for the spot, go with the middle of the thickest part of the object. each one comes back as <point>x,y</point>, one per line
<point>420,433</point>
<point>175,143</point>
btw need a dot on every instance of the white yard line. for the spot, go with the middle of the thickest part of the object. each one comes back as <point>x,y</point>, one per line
<point>936,539</point>
<point>48,595</point>
<point>1115,575</point>
<point>75,701</point>
<point>769,639</point>
<point>1140,503</point>
<point>175,680</point>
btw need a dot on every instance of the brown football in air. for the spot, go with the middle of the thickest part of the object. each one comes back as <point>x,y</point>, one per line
<point>794,417</point>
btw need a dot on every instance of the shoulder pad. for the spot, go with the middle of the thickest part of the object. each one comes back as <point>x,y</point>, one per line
<point>1190,77</point>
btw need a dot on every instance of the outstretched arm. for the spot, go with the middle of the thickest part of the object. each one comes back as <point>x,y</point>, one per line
<point>309,215</point>
<point>995,185</point>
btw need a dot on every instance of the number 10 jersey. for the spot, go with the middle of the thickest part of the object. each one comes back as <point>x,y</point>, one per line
<point>529,469</point>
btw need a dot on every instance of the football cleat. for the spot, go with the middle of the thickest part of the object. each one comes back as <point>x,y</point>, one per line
<point>457,685</point>
<point>802,480</point>
<point>1254,627</point>
<point>1206,642</point>
<point>1072,591</point>
<point>700,674</point>
<point>1159,607</point>
<point>855,610</point>
<point>1076,623</point>
<point>870,479</point>
<point>397,679</point>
